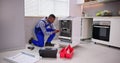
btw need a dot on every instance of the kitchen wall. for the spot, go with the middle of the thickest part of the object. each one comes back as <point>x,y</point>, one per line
<point>91,10</point>
<point>75,9</point>
<point>29,26</point>
<point>0,23</point>
<point>12,25</point>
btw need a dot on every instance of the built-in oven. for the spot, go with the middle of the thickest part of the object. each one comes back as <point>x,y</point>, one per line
<point>101,30</point>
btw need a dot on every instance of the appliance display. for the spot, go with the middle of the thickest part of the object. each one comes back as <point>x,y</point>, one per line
<point>101,30</point>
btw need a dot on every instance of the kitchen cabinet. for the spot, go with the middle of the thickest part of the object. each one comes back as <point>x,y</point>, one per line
<point>106,0</point>
<point>80,1</point>
<point>89,2</point>
<point>114,39</point>
<point>86,28</point>
<point>115,32</point>
<point>86,1</point>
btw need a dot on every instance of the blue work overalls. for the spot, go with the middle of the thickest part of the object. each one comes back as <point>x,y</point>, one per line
<point>40,35</point>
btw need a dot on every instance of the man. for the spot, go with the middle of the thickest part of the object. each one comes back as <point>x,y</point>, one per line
<point>44,27</point>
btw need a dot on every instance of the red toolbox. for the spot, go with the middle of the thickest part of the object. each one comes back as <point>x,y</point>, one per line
<point>66,52</point>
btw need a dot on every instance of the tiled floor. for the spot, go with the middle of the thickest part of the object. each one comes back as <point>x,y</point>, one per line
<point>86,52</point>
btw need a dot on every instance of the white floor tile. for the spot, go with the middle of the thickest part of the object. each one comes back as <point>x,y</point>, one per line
<point>86,52</point>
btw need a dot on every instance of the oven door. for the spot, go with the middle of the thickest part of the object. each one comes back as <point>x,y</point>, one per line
<point>101,32</point>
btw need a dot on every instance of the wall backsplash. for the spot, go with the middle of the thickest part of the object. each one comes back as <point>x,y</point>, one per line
<point>91,10</point>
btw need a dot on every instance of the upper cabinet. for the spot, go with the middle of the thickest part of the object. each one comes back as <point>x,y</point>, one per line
<point>93,1</point>
<point>80,1</point>
<point>106,0</point>
<point>84,1</point>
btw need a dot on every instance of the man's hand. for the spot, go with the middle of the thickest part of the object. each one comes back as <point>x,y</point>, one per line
<point>56,31</point>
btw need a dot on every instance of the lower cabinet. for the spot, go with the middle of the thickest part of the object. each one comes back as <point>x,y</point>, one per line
<point>115,32</point>
<point>114,38</point>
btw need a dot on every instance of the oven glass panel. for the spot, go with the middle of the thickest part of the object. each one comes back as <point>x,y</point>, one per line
<point>103,32</point>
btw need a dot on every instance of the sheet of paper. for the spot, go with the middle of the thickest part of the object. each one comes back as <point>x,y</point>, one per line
<point>22,57</point>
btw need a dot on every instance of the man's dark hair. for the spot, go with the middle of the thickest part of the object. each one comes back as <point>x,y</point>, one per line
<point>52,15</point>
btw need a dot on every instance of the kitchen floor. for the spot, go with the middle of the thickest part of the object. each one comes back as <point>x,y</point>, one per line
<point>86,52</point>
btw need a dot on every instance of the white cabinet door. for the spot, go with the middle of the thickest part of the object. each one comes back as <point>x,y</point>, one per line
<point>115,32</point>
<point>80,1</point>
<point>86,31</point>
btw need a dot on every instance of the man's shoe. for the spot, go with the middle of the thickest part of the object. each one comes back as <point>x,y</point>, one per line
<point>31,48</point>
<point>30,41</point>
<point>49,44</point>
